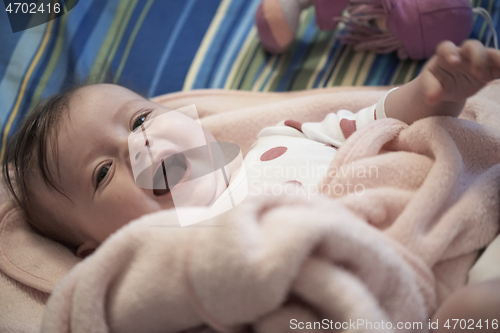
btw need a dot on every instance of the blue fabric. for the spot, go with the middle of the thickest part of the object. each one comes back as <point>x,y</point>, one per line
<point>83,43</point>
<point>149,46</point>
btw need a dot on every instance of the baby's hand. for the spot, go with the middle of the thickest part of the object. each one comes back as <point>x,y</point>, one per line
<point>456,73</point>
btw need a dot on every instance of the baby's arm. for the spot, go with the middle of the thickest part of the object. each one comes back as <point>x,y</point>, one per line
<point>451,76</point>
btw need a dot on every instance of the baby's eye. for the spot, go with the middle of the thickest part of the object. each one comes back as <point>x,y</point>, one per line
<point>142,118</point>
<point>102,173</point>
<point>138,122</point>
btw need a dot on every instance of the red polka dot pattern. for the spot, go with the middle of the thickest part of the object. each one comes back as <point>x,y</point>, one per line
<point>348,127</point>
<point>295,182</point>
<point>375,114</point>
<point>273,153</point>
<point>294,123</point>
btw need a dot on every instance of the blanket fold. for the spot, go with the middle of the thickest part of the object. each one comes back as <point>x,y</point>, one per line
<point>239,269</point>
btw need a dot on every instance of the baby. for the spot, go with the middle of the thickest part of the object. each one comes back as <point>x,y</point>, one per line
<point>68,166</point>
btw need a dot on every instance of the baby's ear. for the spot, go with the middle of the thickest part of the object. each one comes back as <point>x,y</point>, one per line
<point>86,249</point>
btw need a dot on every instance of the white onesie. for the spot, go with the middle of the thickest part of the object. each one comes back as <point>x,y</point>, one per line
<point>299,154</point>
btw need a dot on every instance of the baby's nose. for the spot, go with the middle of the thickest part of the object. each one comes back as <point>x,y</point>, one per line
<point>142,139</point>
<point>139,146</point>
<point>141,151</point>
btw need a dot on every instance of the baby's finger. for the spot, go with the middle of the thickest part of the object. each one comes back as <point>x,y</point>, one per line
<point>474,52</point>
<point>447,53</point>
<point>494,63</point>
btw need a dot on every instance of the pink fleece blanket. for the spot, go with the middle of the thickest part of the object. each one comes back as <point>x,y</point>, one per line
<point>275,262</point>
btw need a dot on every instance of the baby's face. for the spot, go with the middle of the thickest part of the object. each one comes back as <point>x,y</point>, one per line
<point>95,169</point>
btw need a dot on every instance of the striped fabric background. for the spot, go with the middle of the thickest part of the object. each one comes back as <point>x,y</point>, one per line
<point>160,46</point>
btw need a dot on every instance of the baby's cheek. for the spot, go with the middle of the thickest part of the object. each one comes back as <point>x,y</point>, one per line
<point>120,207</point>
<point>196,192</point>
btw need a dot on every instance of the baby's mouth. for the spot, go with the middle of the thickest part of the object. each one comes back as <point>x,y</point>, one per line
<point>169,173</point>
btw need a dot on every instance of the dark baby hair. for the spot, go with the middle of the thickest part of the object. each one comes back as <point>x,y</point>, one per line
<point>27,152</point>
